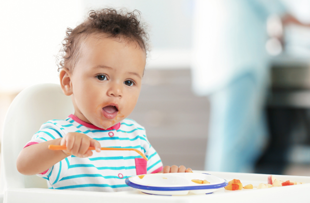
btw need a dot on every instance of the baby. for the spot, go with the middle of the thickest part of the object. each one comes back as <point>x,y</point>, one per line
<point>102,68</point>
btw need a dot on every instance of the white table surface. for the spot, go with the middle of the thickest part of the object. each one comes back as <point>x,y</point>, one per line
<point>296,193</point>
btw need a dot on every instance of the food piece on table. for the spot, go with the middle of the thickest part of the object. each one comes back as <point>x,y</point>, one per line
<point>297,183</point>
<point>235,187</point>
<point>236,181</point>
<point>277,183</point>
<point>249,186</point>
<point>269,186</point>
<point>271,179</point>
<point>141,176</point>
<point>262,186</point>
<point>287,183</point>
<point>228,187</point>
<point>200,181</point>
<point>234,184</point>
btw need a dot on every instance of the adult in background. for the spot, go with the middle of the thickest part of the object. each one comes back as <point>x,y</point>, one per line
<point>230,65</point>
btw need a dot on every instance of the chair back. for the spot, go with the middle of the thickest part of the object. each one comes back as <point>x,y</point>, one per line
<point>31,108</point>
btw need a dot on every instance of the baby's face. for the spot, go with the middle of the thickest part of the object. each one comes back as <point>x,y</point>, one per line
<point>106,80</point>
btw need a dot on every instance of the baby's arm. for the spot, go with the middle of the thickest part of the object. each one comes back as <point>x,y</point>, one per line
<point>37,158</point>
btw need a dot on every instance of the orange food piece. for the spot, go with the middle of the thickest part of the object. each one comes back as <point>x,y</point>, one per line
<point>236,181</point>
<point>141,176</point>
<point>287,183</point>
<point>200,181</point>
<point>234,184</point>
<point>249,186</point>
<point>228,187</point>
<point>197,181</point>
<point>205,182</point>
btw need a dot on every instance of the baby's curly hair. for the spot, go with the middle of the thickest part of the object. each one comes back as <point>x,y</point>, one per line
<point>107,21</point>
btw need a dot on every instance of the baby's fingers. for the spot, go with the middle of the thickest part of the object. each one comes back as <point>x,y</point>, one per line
<point>96,144</point>
<point>69,139</point>
<point>176,169</point>
<point>182,169</point>
<point>188,170</point>
<point>85,143</point>
<point>171,169</point>
<point>76,146</point>
<point>166,169</point>
<point>63,142</point>
<point>88,153</point>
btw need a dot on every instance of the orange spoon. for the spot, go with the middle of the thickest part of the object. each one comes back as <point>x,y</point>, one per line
<point>60,147</point>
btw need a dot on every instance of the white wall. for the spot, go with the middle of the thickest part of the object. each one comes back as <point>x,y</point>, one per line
<point>31,32</point>
<point>30,35</point>
<point>169,22</point>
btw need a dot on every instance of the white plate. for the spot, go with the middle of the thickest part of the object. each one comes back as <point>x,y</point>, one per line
<point>176,183</point>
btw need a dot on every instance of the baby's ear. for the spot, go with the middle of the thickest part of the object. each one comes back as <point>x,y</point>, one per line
<point>65,81</point>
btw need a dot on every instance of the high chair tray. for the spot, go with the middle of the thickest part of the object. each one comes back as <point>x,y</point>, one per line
<point>295,193</point>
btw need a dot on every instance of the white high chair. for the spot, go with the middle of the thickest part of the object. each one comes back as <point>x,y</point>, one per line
<point>29,110</point>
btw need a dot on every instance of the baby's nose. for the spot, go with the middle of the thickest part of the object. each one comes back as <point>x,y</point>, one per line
<point>115,91</point>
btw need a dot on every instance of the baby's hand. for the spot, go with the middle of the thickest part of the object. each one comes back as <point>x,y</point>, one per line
<point>77,144</point>
<point>176,169</point>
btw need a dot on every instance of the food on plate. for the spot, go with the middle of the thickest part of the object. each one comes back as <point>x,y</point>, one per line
<point>200,181</point>
<point>141,176</point>
<point>249,186</point>
<point>234,184</point>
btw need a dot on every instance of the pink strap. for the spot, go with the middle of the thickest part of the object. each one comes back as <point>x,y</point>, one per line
<point>141,165</point>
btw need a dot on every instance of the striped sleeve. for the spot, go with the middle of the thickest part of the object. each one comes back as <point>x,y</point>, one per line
<point>47,133</point>
<point>154,163</point>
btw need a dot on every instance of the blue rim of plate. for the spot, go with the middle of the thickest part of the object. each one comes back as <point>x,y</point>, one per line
<point>176,188</point>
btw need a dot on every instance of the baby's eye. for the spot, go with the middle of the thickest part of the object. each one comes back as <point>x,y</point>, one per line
<point>101,77</point>
<point>129,83</point>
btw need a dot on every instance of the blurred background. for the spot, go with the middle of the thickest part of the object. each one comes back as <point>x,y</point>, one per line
<point>226,86</point>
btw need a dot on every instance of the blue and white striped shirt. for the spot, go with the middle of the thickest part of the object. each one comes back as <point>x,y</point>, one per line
<point>106,170</point>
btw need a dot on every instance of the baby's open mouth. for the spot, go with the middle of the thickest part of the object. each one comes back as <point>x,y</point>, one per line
<point>110,111</point>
